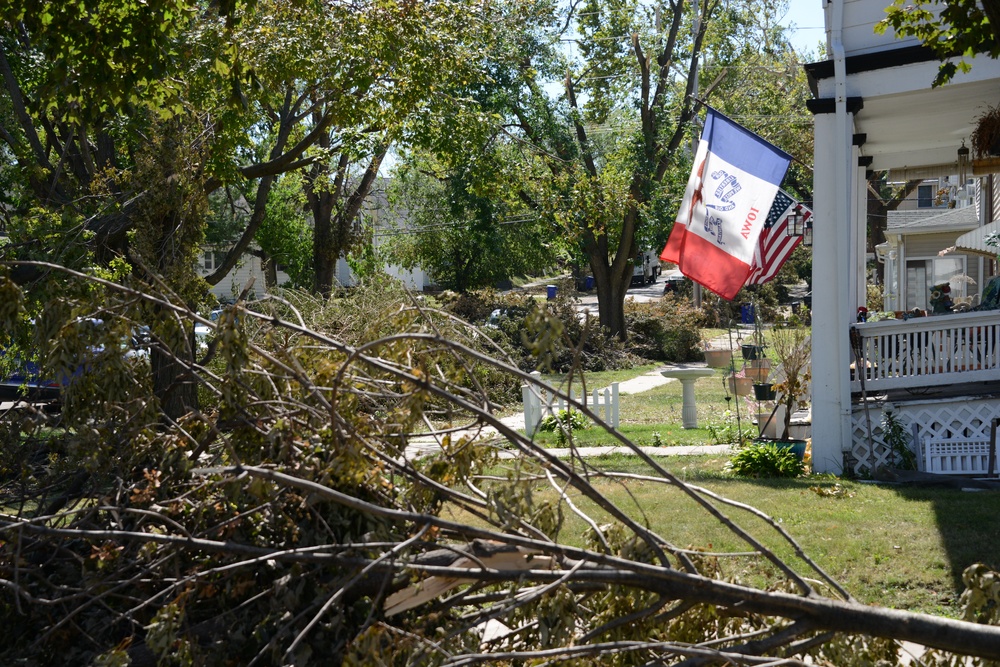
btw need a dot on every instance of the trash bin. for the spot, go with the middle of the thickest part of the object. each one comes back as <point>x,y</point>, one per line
<point>550,291</point>
<point>588,283</point>
<point>746,313</point>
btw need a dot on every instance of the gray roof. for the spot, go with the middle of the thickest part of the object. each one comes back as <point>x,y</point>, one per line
<point>932,220</point>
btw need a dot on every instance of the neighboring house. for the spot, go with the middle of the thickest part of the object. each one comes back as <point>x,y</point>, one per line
<point>916,256</point>
<point>249,266</point>
<point>375,212</point>
<point>874,109</point>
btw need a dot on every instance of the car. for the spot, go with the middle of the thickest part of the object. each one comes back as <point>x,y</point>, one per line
<point>675,283</point>
<point>21,375</point>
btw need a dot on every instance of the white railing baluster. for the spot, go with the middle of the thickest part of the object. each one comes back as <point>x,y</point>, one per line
<point>929,351</point>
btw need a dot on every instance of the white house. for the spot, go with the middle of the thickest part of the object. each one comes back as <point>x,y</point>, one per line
<point>376,212</point>
<point>874,108</point>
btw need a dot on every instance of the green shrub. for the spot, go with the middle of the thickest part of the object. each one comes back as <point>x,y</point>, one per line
<point>765,459</point>
<point>564,420</point>
<point>665,330</point>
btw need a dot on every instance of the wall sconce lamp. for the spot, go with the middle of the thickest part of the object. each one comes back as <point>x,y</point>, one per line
<point>963,165</point>
<point>796,224</point>
<point>799,225</point>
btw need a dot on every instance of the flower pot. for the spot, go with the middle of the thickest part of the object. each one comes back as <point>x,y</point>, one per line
<point>767,425</point>
<point>798,447</point>
<point>758,370</point>
<point>752,351</point>
<point>718,358</point>
<point>764,391</point>
<point>739,386</point>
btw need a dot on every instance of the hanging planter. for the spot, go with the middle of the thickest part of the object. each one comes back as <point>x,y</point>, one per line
<point>758,369</point>
<point>752,351</point>
<point>718,358</point>
<point>985,140</point>
<point>739,385</point>
<point>764,391</point>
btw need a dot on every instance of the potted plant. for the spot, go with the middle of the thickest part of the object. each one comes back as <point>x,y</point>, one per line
<point>793,350</point>
<point>985,138</point>
<point>739,384</point>
<point>716,357</point>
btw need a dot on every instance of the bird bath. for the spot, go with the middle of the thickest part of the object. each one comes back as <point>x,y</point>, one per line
<point>687,375</point>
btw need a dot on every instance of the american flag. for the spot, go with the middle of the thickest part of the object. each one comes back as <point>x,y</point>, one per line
<point>775,245</point>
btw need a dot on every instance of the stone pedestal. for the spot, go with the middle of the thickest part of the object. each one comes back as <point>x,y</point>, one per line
<point>687,375</point>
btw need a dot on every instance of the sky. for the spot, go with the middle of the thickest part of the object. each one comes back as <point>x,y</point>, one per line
<point>807,16</point>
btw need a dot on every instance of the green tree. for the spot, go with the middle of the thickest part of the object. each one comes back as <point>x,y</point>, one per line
<point>962,29</point>
<point>239,93</point>
<point>461,227</point>
<point>606,160</point>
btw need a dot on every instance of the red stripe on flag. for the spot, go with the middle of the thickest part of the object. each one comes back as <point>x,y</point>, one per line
<point>709,265</point>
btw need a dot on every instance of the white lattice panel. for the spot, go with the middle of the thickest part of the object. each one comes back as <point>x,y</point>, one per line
<point>959,417</point>
<point>961,456</point>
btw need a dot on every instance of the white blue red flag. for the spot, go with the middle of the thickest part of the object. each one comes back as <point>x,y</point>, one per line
<point>775,246</point>
<point>735,177</point>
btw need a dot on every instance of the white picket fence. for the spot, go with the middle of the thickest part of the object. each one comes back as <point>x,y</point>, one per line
<point>540,402</point>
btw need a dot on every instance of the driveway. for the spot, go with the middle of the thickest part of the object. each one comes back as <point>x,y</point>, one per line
<point>651,292</point>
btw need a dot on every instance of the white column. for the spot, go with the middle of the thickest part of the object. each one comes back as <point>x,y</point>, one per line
<point>834,180</point>
<point>859,233</point>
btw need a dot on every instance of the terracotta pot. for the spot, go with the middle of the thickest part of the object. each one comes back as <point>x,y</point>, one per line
<point>740,386</point>
<point>718,358</point>
<point>758,370</point>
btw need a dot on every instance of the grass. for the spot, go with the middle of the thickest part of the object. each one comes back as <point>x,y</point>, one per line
<point>898,547</point>
<point>894,546</point>
<point>658,411</point>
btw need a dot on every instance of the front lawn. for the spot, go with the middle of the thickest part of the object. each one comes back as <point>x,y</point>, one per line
<point>653,417</point>
<point>893,546</point>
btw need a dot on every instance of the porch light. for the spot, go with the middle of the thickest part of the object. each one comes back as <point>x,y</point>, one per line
<point>963,165</point>
<point>807,233</point>
<point>796,224</point>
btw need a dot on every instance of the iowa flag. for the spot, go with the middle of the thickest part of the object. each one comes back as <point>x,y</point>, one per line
<point>735,177</point>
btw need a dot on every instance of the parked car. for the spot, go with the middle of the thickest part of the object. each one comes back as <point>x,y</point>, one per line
<point>675,283</point>
<point>21,375</point>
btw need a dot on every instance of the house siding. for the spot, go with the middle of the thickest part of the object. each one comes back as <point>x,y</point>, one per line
<point>860,17</point>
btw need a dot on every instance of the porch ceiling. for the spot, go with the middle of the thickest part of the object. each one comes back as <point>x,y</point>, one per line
<point>922,128</point>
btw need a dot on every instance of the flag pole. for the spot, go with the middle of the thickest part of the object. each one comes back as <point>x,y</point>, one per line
<point>696,26</point>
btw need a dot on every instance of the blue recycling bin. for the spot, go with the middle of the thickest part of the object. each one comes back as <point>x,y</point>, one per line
<point>747,313</point>
<point>588,283</point>
<point>550,291</point>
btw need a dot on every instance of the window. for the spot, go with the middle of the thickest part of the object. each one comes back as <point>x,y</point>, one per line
<point>211,260</point>
<point>925,196</point>
<point>921,274</point>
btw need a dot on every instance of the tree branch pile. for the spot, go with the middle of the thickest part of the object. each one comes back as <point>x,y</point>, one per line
<point>293,522</point>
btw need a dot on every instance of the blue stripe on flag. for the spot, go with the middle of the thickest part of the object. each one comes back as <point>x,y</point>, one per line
<point>742,148</point>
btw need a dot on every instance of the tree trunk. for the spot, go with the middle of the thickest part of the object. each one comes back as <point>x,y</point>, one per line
<point>326,250</point>
<point>611,290</point>
<point>173,384</point>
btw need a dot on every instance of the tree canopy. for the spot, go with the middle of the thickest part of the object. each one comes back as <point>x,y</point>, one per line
<point>955,29</point>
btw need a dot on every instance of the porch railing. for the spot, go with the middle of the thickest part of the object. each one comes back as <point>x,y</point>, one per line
<point>928,351</point>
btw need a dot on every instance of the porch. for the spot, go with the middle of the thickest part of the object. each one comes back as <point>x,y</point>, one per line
<point>939,375</point>
<point>914,355</point>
